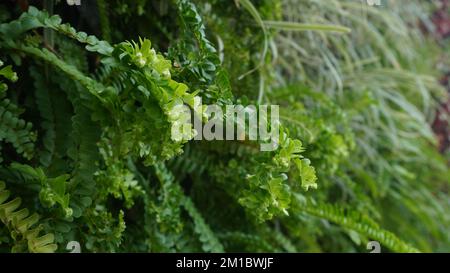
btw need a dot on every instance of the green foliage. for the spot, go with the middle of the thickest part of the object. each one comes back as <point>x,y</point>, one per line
<point>20,224</point>
<point>357,222</point>
<point>197,59</point>
<point>86,132</point>
<point>52,190</point>
<point>209,241</point>
<point>13,129</point>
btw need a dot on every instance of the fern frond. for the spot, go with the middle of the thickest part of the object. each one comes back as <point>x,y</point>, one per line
<point>15,130</point>
<point>35,18</point>
<point>203,68</point>
<point>44,104</point>
<point>104,20</point>
<point>168,209</point>
<point>210,243</point>
<point>20,224</point>
<point>94,87</point>
<point>236,241</point>
<point>356,221</point>
<point>283,241</point>
<point>84,151</point>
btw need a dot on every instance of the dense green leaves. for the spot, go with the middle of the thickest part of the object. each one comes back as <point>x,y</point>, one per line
<point>25,234</point>
<point>86,137</point>
<point>13,129</point>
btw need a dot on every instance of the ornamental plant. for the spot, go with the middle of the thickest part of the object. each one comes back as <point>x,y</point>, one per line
<point>90,94</point>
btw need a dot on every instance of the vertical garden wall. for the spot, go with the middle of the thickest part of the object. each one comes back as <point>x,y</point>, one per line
<point>88,97</point>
